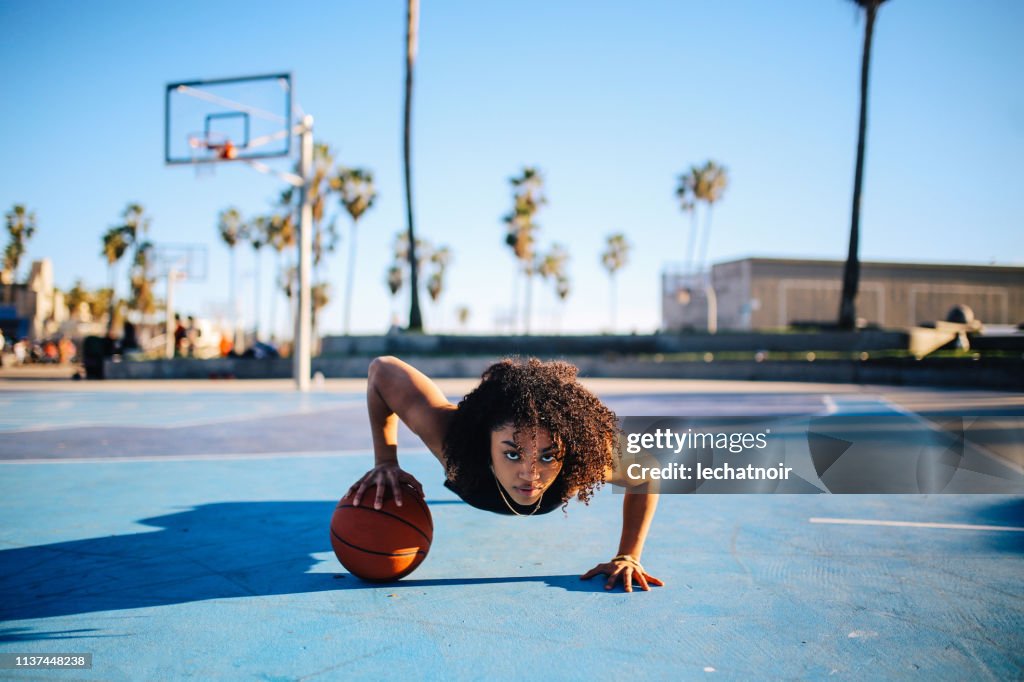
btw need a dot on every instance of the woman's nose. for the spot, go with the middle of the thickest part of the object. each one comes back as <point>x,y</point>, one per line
<point>528,470</point>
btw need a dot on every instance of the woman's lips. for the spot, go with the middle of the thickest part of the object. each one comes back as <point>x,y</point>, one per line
<point>529,492</point>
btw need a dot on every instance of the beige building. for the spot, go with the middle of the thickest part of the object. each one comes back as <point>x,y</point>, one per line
<point>37,301</point>
<point>772,293</point>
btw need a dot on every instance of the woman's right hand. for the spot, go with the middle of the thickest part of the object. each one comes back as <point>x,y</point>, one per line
<point>386,476</point>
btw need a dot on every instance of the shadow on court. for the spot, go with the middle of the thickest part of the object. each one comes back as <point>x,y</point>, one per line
<point>1008,513</point>
<point>214,551</point>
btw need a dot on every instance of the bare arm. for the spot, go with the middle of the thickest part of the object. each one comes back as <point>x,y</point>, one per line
<point>396,390</point>
<point>638,506</point>
<point>637,514</point>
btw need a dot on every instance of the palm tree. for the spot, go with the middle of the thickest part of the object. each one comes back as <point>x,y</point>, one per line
<point>287,282</point>
<point>553,265</point>
<point>320,293</point>
<point>118,239</point>
<point>412,28</point>
<point>462,313</point>
<point>528,197</point>
<point>686,193</point>
<point>281,235</point>
<point>76,296</point>
<point>232,229</point>
<point>614,259</point>
<point>321,185</point>
<point>395,279</point>
<point>256,233</point>
<point>321,188</point>
<point>355,185</point>
<point>136,223</point>
<point>100,302</point>
<point>851,272</point>
<point>440,258</point>
<point>143,301</point>
<point>711,182</point>
<point>401,254</point>
<point>21,225</point>
<point>114,247</point>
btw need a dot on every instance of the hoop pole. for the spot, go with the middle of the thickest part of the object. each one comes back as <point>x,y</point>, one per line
<point>304,316</point>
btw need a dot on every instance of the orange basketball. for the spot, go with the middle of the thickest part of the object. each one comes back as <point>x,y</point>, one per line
<point>383,544</point>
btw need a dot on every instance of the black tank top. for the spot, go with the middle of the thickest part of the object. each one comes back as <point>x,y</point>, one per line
<point>488,498</point>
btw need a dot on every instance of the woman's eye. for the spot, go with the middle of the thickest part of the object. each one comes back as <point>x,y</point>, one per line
<point>511,455</point>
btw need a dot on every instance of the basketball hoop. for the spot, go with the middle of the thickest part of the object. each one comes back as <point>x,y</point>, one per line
<point>227,151</point>
<point>256,113</point>
<point>209,146</point>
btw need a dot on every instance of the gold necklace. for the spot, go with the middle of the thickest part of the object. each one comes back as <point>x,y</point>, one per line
<point>505,500</point>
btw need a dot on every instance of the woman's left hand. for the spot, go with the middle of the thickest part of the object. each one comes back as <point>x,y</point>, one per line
<point>626,571</point>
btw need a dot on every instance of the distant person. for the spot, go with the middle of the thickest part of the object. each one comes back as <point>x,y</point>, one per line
<point>66,349</point>
<point>180,336</point>
<point>525,441</point>
<point>192,334</point>
<point>225,344</point>
<point>50,351</point>
<point>129,340</point>
<point>20,351</point>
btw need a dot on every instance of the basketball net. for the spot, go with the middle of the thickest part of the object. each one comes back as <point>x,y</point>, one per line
<point>206,148</point>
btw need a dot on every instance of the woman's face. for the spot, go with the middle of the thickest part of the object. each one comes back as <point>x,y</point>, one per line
<point>525,463</point>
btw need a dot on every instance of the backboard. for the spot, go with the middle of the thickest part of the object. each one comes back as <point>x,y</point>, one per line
<point>228,119</point>
<point>187,261</point>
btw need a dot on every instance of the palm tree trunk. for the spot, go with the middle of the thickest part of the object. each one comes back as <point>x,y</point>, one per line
<point>691,253</point>
<point>851,272</point>
<point>350,277</point>
<point>113,297</point>
<point>256,294</point>
<point>234,301</point>
<point>529,299</point>
<point>273,297</point>
<point>706,242</point>
<point>615,312</point>
<point>514,319</point>
<point>415,318</point>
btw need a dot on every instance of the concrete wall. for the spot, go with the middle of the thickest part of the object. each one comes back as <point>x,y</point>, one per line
<point>550,346</point>
<point>1005,374</point>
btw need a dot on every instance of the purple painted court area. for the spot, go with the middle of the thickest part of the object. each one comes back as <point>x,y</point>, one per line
<point>182,534</point>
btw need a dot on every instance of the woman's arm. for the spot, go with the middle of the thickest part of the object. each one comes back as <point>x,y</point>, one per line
<point>639,502</point>
<point>396,390</point>
<point>637,513</point>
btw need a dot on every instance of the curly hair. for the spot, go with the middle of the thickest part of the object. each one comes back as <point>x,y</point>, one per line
<point>532,394</point>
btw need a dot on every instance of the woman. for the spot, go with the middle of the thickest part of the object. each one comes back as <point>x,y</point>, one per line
<point>528,439</point>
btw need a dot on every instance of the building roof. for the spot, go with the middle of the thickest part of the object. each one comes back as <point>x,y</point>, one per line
<point>882,264</point>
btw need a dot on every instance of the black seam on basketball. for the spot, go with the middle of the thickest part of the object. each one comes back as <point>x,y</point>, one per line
<point>419,500</point>
<point>426,509</point>
<point>397,518</point>
<point>370,551</point>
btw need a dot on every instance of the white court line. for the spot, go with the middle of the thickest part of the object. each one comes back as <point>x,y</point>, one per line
<point>896,407</point>
<point>916,524</point>
<point>200,421</point>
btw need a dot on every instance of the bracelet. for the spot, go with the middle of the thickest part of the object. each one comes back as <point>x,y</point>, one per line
<point>628,558</point>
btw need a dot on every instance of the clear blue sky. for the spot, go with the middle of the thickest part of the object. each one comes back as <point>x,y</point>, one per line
<point>611,100</point>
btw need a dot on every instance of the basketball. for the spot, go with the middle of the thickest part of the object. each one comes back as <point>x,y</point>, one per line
<point>381,545</point>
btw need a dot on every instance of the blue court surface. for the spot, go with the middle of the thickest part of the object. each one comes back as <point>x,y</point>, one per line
<point>183,534</point>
